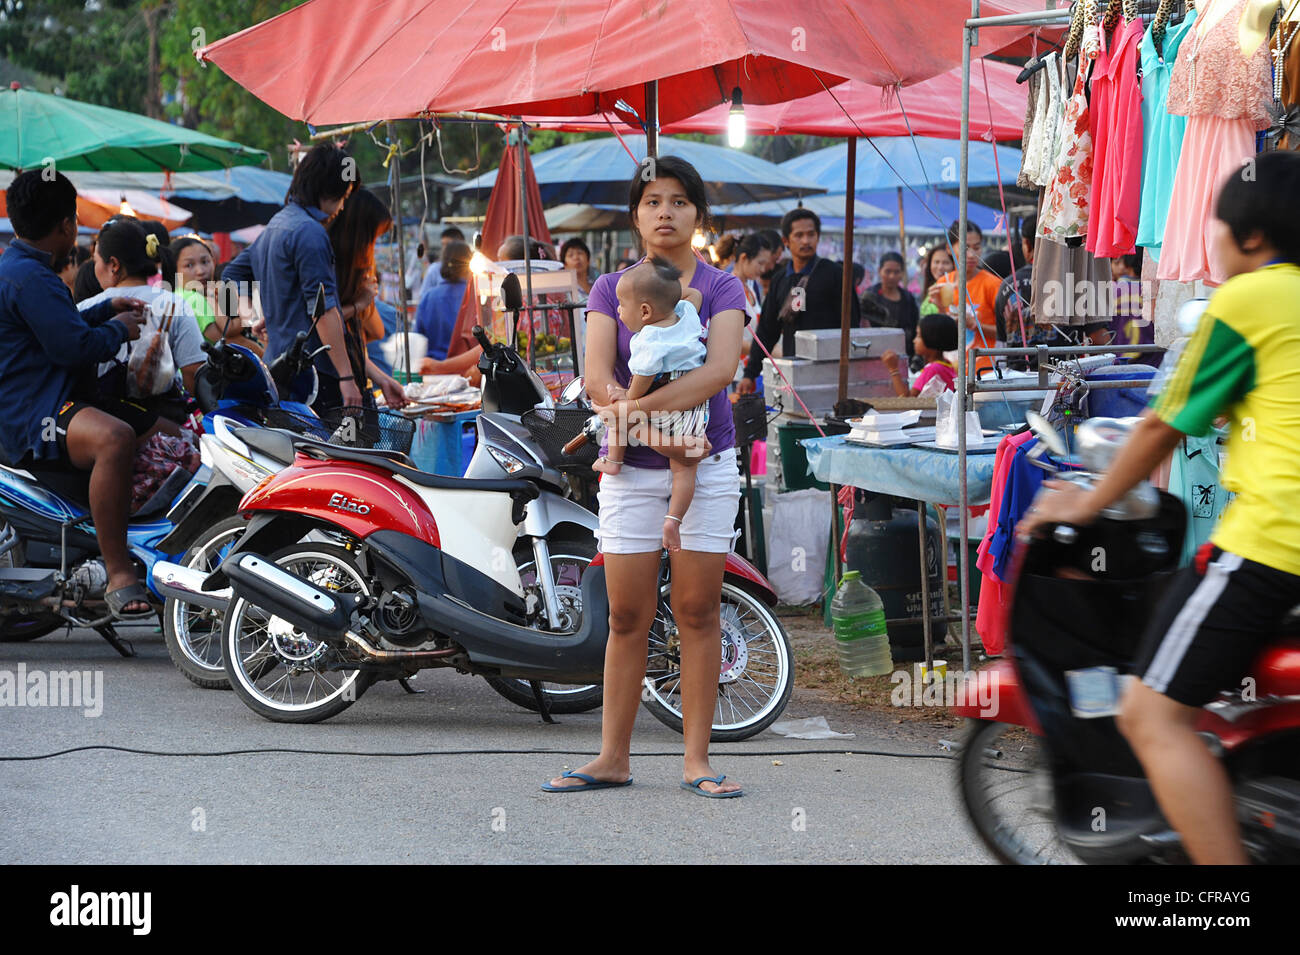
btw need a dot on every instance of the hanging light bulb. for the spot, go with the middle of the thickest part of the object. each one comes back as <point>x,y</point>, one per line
<point>698,241</point>
<point>478,266</point>
<point>125,209</point>
<point>736,121</point>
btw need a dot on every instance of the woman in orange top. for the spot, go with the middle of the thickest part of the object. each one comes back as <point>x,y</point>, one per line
<point>981,292</point>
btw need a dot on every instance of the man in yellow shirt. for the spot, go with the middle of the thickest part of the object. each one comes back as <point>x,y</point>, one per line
<point>1243,361</point>
<point>981,294</point>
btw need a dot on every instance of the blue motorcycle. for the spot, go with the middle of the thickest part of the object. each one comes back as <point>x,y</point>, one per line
<point>51,574</point>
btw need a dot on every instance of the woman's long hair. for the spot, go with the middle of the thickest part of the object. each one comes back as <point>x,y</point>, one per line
<point>353,233</point>
<point>927,278</point>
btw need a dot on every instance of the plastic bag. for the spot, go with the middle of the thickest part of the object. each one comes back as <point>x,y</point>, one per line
<point>797,541</point>
<point>945,431</point>
<point>151,370</point>
<point>812,727</point>
<point>163,465</point>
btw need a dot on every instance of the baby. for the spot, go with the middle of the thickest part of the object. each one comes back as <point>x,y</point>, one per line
<point>666,344</point>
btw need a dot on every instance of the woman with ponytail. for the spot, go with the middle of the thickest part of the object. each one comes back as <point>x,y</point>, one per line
<point>125,259</point>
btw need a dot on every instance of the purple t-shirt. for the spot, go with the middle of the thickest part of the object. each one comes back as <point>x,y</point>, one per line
<point>721,291</point>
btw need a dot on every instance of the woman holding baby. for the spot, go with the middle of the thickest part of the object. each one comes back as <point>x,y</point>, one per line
<point>666,208</point>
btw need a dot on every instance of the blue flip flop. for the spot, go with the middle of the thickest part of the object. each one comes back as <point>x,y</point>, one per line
<point>590,782</point>
<point>695,787</point>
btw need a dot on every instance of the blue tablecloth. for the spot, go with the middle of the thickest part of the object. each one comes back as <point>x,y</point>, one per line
<point>917,473</point>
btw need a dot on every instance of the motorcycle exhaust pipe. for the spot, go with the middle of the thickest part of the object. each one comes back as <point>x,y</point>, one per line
<point>317,613</point>
<point>186,585</point>
<point>372,654</point>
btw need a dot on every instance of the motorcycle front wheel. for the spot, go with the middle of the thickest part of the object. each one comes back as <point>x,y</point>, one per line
<point>276,669</point>
<point>1005,785</point>
<point>568,563</point>
<point>756,674</point>
<point>193,634</point>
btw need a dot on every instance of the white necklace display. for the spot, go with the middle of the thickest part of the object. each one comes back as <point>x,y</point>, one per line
<point>1280,47</point>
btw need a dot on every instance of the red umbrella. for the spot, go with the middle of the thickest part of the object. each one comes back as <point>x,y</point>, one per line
<point>930,108</point>
<point>338,61</point>
<point>504,218</point>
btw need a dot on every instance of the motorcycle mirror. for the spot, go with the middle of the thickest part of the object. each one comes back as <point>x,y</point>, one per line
<point>1189,315</point>
<point>1045,433</point>
<point>512,296</point>
<point>573,391</point>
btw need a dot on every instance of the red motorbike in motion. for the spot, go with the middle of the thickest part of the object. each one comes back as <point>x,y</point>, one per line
<point>1044,774</point>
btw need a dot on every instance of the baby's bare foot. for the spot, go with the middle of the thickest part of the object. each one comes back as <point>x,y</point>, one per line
<point>606,466</point>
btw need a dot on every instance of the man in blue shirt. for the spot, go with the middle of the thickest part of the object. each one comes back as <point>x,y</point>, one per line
<point>292,259</point>
<point>46,346</point>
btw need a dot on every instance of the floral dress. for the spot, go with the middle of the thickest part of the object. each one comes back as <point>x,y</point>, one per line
<point>1065,207</point>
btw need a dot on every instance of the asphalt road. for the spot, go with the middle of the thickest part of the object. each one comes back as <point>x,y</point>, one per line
<point>102,806</point>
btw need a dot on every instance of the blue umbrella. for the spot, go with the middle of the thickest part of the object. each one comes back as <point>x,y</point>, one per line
<point>259,194</point>
<point>598,171</point>
<point>755,214</point>
<point>908,161</point>
<point>872,211</point>
<point>251,184</point>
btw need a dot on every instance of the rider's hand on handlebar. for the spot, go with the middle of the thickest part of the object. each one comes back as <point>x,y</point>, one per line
<point>1059,502</point>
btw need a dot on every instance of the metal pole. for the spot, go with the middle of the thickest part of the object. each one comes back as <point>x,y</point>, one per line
<point>1042,18</point>
<point>401,253</point>
<point>528,248</point>
<point>925,589</point>
<point>846,280</point>
<point>963,369</point>
<point>652,119</point>
<point>902,235</point>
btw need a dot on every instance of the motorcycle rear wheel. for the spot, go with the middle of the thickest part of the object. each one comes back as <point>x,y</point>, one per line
<point>1009,799</point>
<point>274,668</point>
<point>21,627</point>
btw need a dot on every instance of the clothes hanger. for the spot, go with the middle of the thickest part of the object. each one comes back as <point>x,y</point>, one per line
<point>1158,25</point>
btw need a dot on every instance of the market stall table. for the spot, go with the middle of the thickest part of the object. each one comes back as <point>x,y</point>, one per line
<point>924,475</point>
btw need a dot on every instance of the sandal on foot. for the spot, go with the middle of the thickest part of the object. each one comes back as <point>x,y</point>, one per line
<point>695,787</point>
<point>124,597</point>
<point>588,782</point>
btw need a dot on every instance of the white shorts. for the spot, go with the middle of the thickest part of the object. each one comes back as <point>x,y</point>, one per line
<point>634,503</point>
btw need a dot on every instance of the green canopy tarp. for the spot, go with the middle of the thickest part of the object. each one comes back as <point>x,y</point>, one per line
<point>36,128</point>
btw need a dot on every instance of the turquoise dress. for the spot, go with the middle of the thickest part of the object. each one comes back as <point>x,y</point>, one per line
<point>1162,134</point>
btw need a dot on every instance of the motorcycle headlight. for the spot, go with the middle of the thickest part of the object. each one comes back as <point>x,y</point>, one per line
<point>507,461</point>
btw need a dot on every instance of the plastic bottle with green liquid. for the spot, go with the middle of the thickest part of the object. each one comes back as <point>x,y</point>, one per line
<point>858,618</point>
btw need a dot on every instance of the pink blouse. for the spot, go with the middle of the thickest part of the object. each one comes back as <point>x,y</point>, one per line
<point>1211,77</point>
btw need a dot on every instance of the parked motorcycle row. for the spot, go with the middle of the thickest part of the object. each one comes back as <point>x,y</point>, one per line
<point>298,571</point>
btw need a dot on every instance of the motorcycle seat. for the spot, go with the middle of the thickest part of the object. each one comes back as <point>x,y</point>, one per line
<point>275,444</point>
<point>401,465</point>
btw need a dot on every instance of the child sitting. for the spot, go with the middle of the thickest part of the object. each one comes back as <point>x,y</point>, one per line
<point>935,334</point>
<point>666,344</point>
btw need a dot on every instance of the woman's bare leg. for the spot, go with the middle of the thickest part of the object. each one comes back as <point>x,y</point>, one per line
<point>697,603</point>
<point>632,607</point>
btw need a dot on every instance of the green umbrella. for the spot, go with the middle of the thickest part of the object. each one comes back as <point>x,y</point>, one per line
<point>36,128</point>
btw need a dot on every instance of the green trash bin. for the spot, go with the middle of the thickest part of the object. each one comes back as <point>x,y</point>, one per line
<point>794,460</point>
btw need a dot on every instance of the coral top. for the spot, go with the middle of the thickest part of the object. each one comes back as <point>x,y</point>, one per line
<point>1211,77</point>
<point>1117,146</point>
